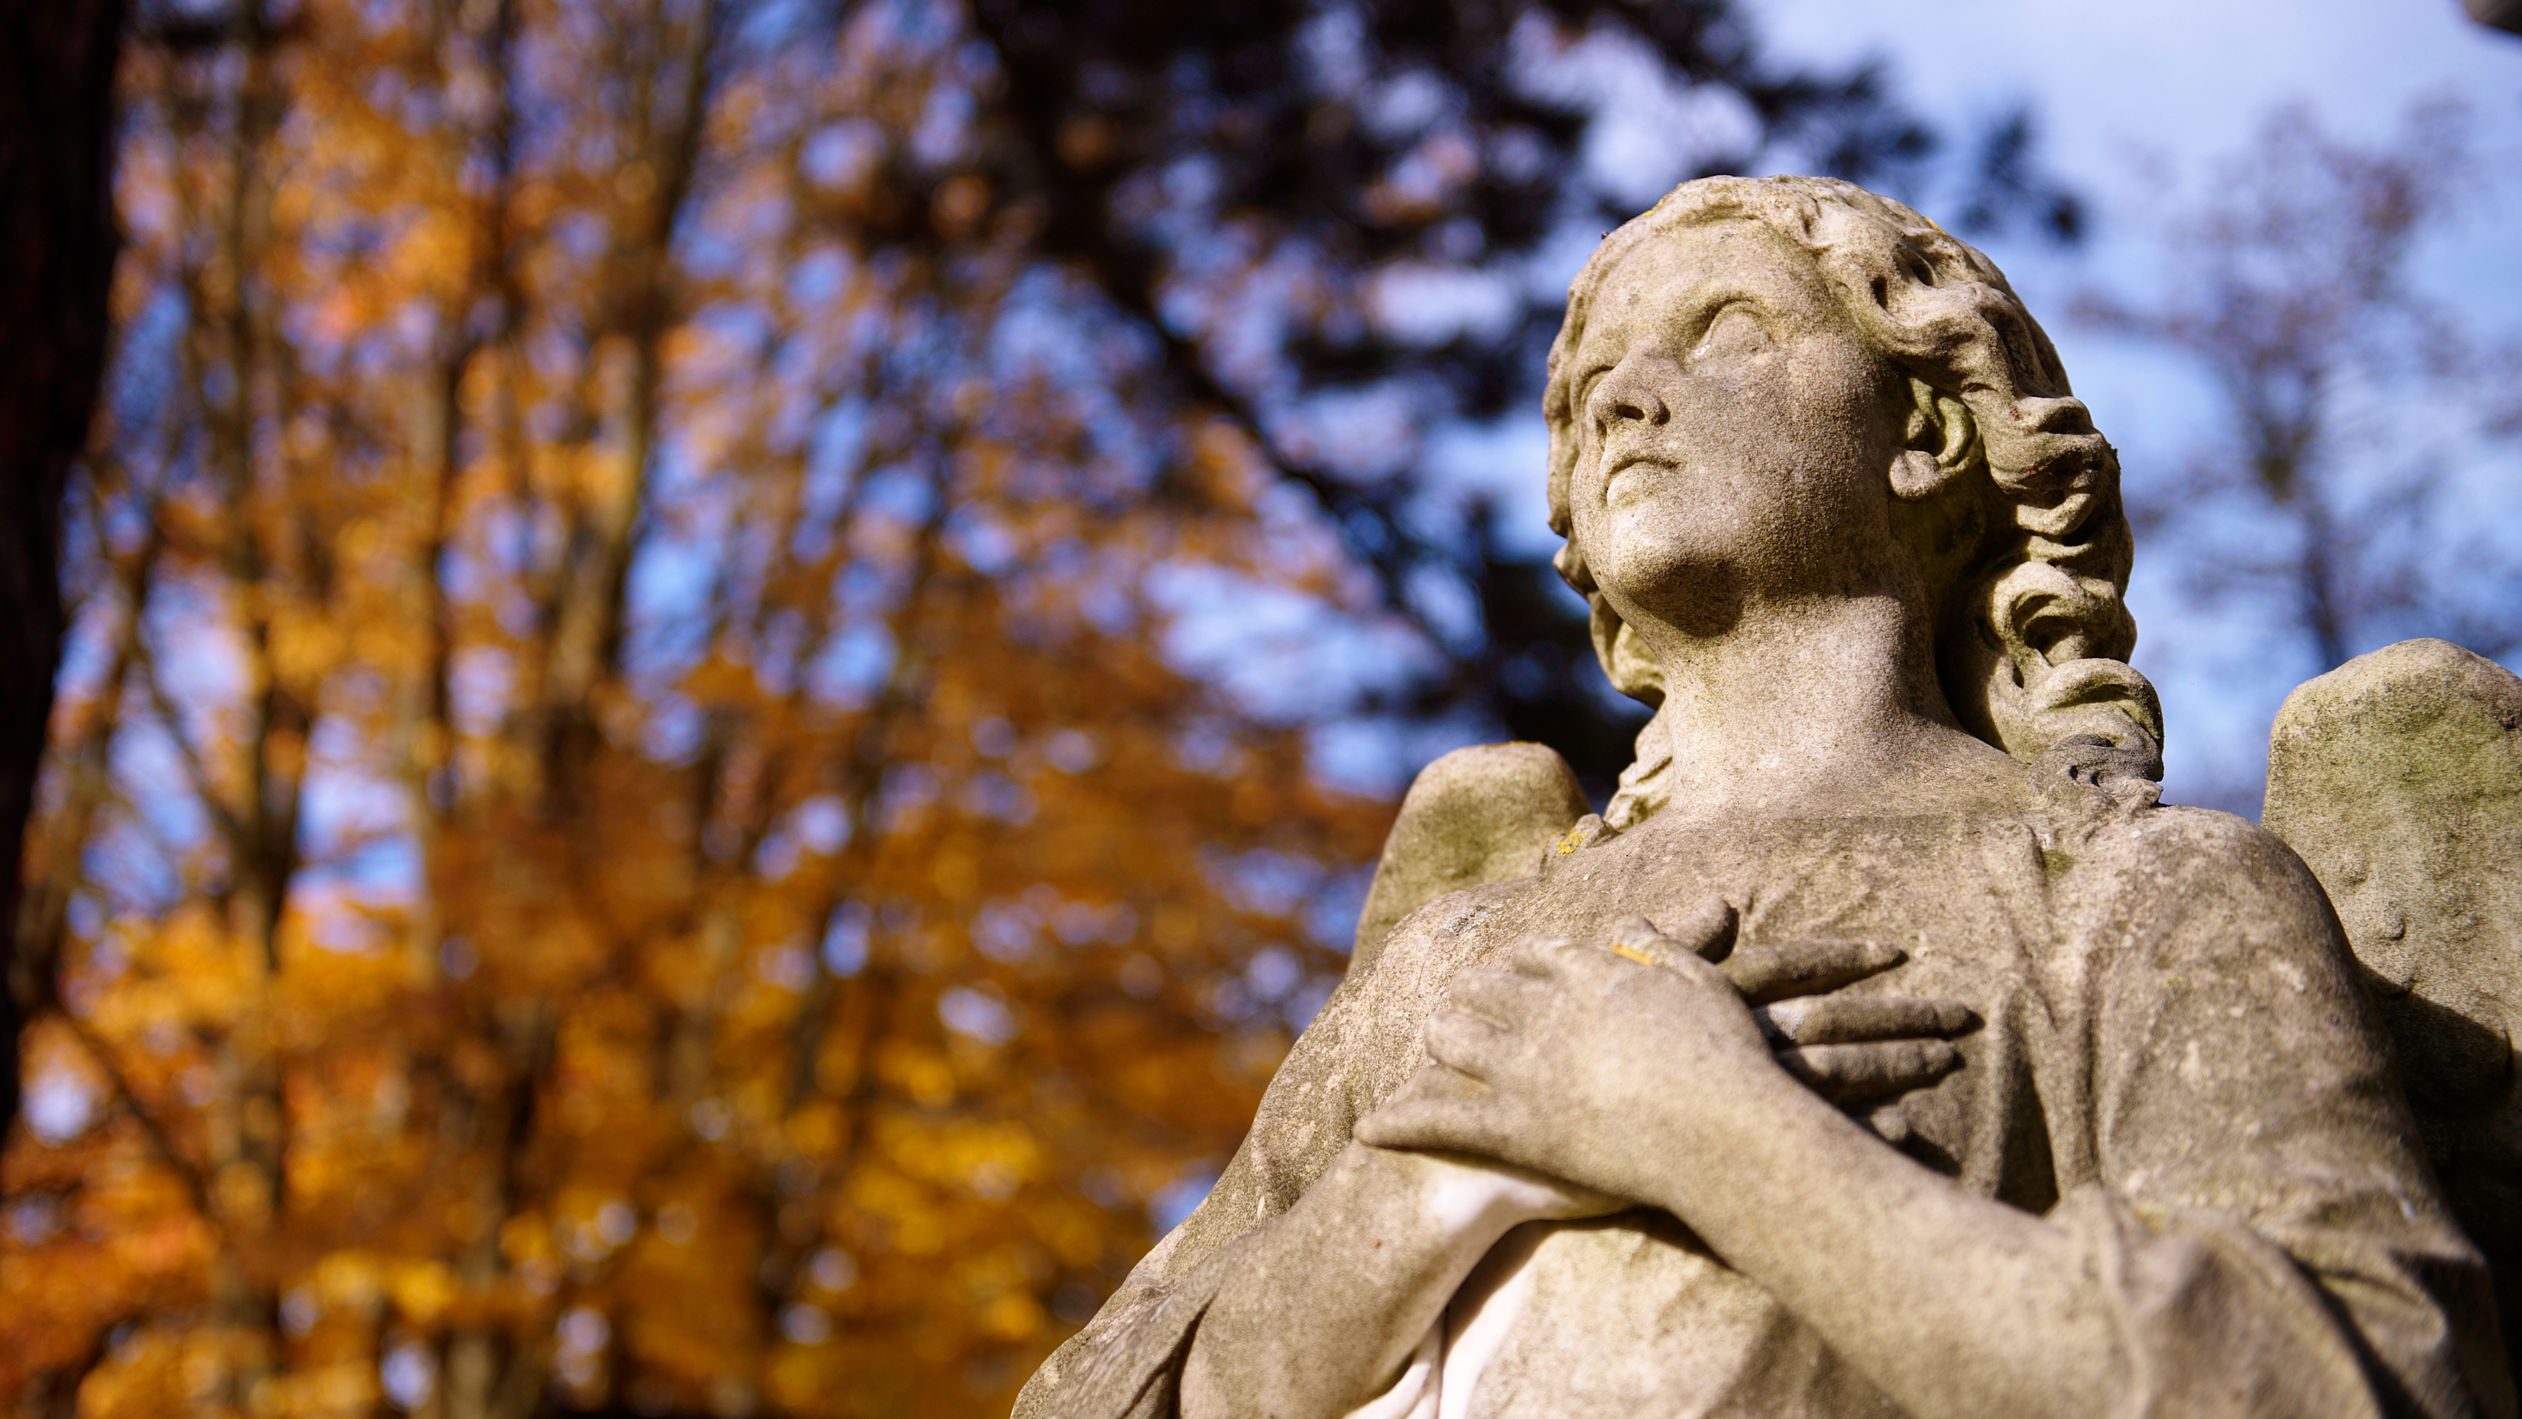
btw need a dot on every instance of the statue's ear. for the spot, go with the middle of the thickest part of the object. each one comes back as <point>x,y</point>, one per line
<point>1939,442</point>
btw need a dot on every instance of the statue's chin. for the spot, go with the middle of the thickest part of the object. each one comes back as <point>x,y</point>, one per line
<point>1697,599</point>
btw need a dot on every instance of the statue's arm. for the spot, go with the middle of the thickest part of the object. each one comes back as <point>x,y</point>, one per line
<point>1315,1265</point>
<point>2252,1232</point>
<point>1648,1079</point>
<point>1325,1305</point>
<point>1127,1362</point>
<point>2254,1151</point>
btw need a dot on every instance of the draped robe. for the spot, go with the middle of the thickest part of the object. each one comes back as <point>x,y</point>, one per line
<point>2177,1064</point>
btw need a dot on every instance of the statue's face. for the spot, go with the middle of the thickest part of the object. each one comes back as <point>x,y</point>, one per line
<point>1735,434</point>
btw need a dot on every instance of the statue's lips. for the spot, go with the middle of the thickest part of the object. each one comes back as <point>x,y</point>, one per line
<point>1632,463</point>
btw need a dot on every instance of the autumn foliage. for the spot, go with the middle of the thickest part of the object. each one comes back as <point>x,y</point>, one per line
<point>621,835</point>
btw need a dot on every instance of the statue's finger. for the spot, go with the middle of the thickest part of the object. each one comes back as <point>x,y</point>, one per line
<point>1776,970</point>
<point>1842,1019</point>
<point>1463,1042</point>
<point>1436,1081</point>
<point>1889,1122</point>
<point>1635,938</point>
<point>1538,957</point>
<point>1452,1125</point>
<point>1500,996</point>
<point>1708,931</point>
<point>1853,1073</point>
<point>1707,934</point>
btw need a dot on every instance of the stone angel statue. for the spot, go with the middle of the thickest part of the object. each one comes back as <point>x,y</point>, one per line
<point>1885,1047</point>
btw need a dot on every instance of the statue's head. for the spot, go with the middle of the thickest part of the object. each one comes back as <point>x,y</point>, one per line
<point>1785,386</point>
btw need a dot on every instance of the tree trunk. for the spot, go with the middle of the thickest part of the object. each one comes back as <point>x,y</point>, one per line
<point>57,241</point>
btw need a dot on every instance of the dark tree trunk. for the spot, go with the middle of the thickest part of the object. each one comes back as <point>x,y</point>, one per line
<point>57,240</point>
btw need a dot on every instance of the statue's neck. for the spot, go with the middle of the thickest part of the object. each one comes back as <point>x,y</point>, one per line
<point>1801,707</point>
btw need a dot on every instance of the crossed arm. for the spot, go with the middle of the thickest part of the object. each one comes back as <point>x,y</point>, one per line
<point>1552,1094</point>
<point>1401,1226</point>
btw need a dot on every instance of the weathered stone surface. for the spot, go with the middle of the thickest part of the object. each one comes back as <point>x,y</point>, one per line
<point>1885,1047</point>
<point>2398,777</point>
<point>1477,815</point>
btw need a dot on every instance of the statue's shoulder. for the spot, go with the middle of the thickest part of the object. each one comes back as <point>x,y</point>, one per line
<point>2192,861</point>
<point>1482,815</point>
<point>2179,834</point>
<point>2106,836</point>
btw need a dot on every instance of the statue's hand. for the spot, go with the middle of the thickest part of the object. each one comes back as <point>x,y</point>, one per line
<point>1548,1064</point>
<point>1573,1062</point>
<point>1861,1049</point>
<point>1850,1049</point>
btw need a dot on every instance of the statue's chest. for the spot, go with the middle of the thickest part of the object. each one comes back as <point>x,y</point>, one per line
<point>1965,902</point>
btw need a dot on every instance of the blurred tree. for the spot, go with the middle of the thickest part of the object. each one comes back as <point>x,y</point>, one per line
<point>2501,14</point>
<point>2009,191</point>
<point>2351,404</point>
<point>621,834</point>
<point>1350,224</point>
<point>629,828</point>
<point>57,244</point>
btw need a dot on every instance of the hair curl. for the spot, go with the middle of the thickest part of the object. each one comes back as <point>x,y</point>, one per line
<point>2032,634</point>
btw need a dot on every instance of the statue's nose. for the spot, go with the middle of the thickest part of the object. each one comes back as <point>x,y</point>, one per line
<point>1631,400</point>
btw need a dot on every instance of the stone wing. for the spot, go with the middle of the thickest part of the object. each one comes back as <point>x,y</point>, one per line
<point>1483,814</point>
<point>2398,778</point>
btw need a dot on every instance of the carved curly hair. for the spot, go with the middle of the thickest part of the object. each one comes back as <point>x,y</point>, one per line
<point>2026,551</point>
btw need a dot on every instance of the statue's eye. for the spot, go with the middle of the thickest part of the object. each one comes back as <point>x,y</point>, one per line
<point>1734,326</point>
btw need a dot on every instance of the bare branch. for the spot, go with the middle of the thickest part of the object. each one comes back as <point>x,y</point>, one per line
<point>196,770</point>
